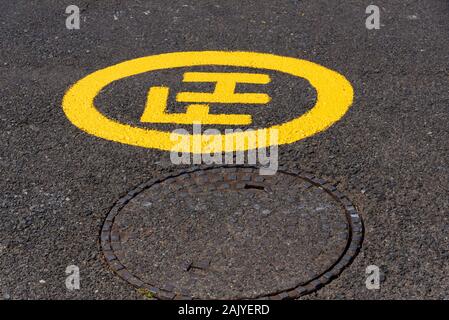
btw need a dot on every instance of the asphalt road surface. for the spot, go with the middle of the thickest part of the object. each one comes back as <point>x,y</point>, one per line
<point>389,153</point>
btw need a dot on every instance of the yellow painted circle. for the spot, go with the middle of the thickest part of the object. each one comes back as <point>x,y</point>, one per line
<point>334,97</point>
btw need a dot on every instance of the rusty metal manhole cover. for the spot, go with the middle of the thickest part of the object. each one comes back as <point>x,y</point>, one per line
<point>230,233</point>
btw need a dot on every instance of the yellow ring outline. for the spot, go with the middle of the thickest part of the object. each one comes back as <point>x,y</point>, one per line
<point>334,97</point>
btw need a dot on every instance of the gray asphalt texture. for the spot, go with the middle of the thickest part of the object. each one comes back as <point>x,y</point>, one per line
<point>389,154</point>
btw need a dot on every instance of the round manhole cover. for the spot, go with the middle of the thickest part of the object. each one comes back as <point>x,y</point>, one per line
<point>230,233</point>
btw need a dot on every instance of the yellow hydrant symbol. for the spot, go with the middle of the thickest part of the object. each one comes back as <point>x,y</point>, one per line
<point>198,112</point>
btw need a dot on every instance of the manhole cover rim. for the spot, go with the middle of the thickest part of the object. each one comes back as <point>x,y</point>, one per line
<point>109,240</point>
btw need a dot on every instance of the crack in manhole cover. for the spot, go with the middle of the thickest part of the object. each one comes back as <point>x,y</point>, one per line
<point>230,233</point>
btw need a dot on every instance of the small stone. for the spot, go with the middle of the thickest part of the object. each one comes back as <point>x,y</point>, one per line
<point>185,265</point>
<point>203,264</point>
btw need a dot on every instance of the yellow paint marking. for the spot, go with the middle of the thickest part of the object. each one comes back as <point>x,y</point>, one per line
<point>155,112</point>
<point>224,88</point>
<point>227,77</point>
<point>156,103</point>
<point>334,97</point>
